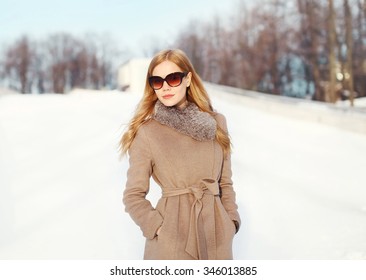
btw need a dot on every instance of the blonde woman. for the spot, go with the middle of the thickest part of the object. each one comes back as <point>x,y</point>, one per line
<point>176,137</point>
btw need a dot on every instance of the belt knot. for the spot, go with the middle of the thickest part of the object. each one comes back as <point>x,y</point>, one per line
<point>205,185</point>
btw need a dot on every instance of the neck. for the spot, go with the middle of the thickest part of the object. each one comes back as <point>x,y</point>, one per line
<point>182,104</point>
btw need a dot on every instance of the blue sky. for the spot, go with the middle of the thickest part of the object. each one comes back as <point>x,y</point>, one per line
<point>131,23</point>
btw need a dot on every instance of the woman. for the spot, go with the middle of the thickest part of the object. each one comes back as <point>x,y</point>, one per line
<point>177,138</point>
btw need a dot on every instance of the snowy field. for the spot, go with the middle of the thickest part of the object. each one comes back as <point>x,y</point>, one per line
<point>301,186</point>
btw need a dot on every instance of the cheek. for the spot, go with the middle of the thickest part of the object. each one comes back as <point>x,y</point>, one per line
<point>182,90</point>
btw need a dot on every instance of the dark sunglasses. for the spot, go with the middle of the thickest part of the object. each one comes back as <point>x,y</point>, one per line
<point>173,80</point>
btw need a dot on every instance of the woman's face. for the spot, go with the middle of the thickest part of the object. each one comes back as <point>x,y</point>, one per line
<point>170,95</point>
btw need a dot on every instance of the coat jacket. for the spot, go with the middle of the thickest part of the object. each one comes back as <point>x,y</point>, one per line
<point>197,209</point>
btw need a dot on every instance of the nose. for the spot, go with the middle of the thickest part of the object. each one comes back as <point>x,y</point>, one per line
<point>166,86</point>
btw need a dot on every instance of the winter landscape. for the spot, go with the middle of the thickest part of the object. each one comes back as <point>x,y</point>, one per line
<point>300,184</point>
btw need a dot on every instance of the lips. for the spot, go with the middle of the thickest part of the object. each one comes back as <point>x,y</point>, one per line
<point>167,96</point>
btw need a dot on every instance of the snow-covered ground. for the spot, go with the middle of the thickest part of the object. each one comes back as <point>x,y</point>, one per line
<point>358,103</point>
<point>301,186</point>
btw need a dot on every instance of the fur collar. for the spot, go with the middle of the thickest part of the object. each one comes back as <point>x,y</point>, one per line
<point>190,121</point>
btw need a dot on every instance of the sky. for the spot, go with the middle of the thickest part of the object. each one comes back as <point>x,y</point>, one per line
<point>135,24</point>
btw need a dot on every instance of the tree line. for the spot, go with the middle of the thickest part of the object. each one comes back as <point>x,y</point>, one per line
<point>59,63</point>
<point>303,48</point>
<point>300,48</point>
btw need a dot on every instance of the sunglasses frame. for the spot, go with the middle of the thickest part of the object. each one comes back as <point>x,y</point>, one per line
<point>181,75</point>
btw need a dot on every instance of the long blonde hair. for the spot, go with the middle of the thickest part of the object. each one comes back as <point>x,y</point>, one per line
<point>196,93</point>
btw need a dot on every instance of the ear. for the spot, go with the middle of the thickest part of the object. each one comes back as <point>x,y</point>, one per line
<point>189,77</point>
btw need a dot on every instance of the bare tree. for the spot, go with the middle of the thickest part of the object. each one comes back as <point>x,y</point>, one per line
<point>60,52</point>
<point>359,47</point>
<point>18,60</point>
<point>94,71</point>
<point>78,66</point>
<point>102,60</point>
<point>40,69</point>
<point>218,53</point>
<point>332,45</point>
<point>311,40</point>
<point>349,43</point>
<point>190,40</point>
<point>254,46</point>
<point>244,35</point>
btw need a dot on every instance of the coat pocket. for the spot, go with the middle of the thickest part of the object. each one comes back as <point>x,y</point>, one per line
<point>228,222</point>
<point>161,207</point>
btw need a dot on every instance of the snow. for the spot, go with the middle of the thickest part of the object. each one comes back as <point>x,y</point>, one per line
<point>358,103</point>
<point>300,185</point>
<point>4,91</point>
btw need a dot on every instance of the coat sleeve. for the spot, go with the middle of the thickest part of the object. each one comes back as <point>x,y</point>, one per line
<point>137,187</point>
<point>228,196</point>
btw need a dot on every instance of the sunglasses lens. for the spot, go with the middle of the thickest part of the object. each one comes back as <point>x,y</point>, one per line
<point>156,82</point>
<point>174,79</point>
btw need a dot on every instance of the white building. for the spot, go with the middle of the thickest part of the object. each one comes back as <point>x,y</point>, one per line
<point>132,75</point>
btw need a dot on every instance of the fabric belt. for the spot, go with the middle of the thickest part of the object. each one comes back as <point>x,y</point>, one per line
<point>199,245</point>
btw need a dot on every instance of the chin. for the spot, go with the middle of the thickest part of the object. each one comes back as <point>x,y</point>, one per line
<point>168,103</point>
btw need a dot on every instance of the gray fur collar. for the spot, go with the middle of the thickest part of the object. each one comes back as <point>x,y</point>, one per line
<point>190,121</point>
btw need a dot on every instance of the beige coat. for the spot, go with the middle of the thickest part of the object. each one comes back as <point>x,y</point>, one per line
<point>197,207</point>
